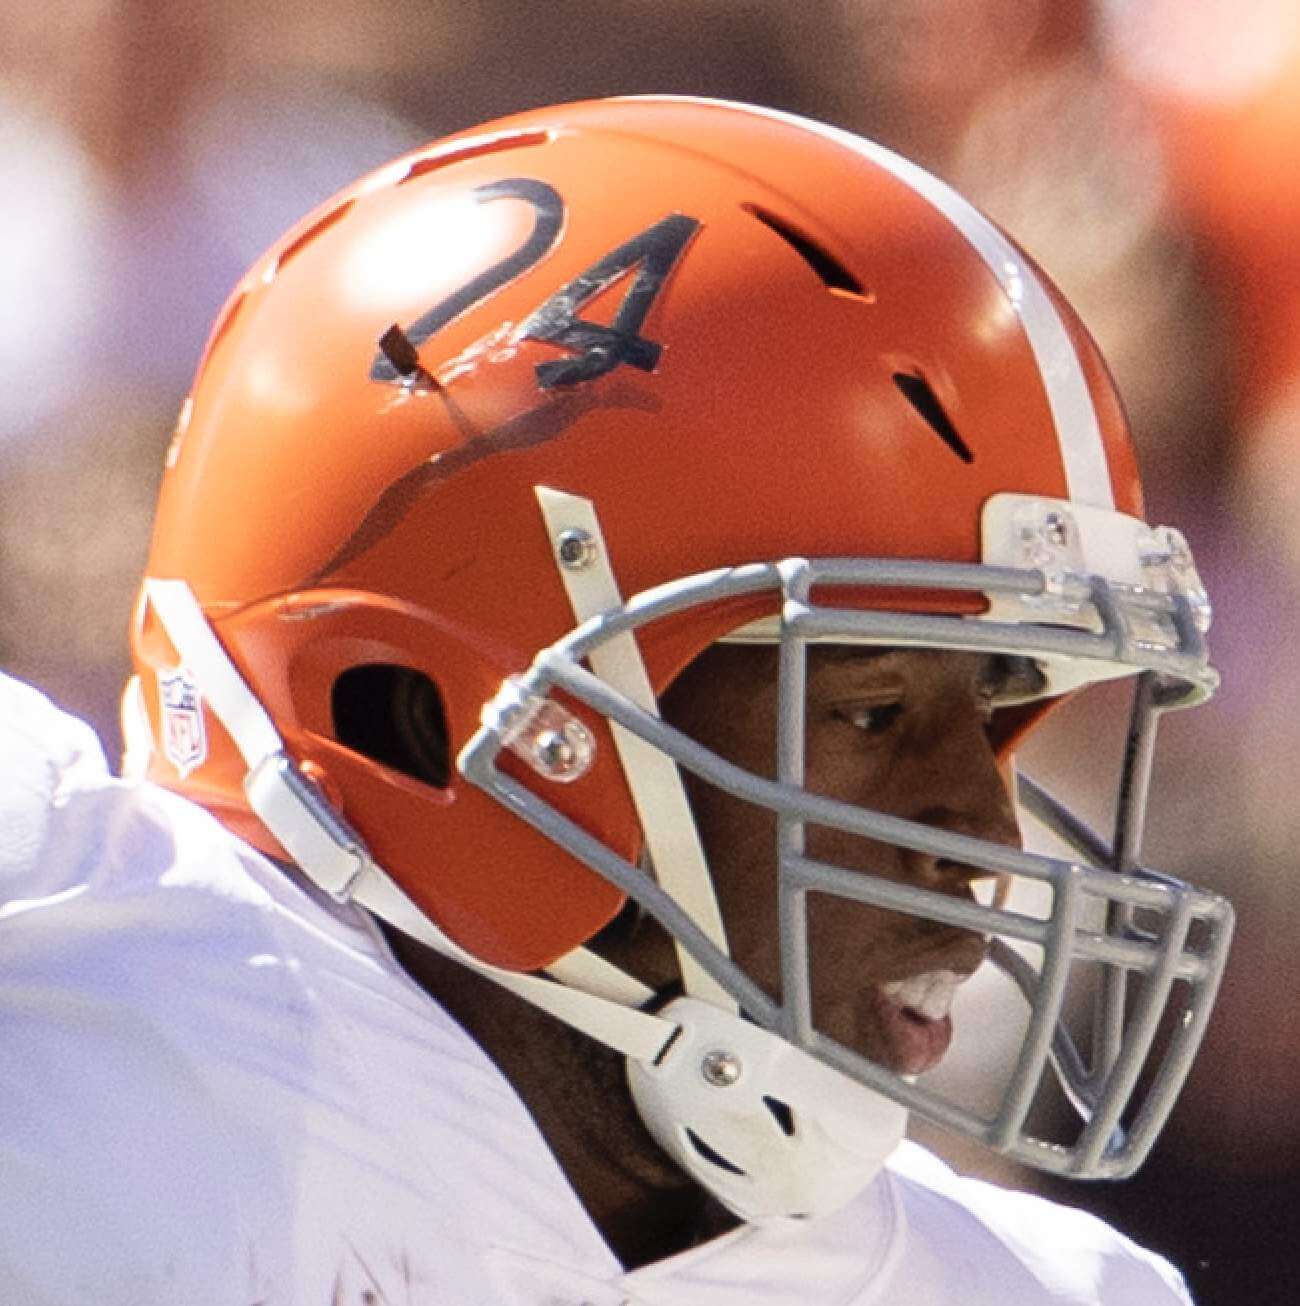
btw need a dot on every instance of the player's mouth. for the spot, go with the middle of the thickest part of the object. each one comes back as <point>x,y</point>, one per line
<point>913,1021</point>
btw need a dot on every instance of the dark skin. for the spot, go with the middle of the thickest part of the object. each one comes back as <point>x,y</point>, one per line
<point>902,731</point>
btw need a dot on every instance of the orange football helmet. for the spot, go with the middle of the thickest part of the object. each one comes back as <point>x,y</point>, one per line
<point>673,338</point>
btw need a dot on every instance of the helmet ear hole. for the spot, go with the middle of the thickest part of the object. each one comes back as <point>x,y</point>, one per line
<point>393,715</point>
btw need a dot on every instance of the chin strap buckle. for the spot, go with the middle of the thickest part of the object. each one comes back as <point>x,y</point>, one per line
<point>291,805</point>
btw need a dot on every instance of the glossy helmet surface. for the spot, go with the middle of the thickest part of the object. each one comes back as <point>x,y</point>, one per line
<point>326,519</point>
<point>740,336</point>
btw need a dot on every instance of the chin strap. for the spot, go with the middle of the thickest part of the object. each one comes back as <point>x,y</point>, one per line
<point>772,1132</point>
<point>587,993</point>
<point>676,854</point>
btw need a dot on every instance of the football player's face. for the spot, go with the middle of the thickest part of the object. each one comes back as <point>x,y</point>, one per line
<point>900,731</point>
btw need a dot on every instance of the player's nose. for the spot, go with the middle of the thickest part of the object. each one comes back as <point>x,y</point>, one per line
<point>969,796</point>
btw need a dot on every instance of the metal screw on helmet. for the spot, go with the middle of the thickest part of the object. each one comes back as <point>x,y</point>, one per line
<point>1056,529</point>
<point>554,752</point>
<point>721,1068</point>
<point>543,733</point>
<point>576,549</point>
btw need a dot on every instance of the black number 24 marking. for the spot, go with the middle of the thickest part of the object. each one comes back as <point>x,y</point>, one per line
<point>595,348</point>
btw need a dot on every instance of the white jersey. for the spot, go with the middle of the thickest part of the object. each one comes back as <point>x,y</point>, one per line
<point>217,1088</point>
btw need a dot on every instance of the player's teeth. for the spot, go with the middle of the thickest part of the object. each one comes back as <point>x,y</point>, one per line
<point>929,995</point>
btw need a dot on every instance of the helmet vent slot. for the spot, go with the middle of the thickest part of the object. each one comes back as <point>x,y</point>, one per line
<point>473,149</point>
<point>781,1113</point>
<point>714,1158</point>
<point>394,716</point>
<point>834,275</point>
<point>916,390</point>
<point>322,224</point>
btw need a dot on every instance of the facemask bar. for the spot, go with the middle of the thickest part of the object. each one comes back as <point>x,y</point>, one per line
<point>1176,672</point>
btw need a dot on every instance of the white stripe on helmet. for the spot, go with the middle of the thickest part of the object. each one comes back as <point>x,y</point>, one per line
<point>1087,475</point>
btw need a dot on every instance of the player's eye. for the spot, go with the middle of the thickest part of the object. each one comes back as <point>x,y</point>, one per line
<point>871,718</point>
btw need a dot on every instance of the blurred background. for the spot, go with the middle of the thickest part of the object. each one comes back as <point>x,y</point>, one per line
<point>1145,152</point>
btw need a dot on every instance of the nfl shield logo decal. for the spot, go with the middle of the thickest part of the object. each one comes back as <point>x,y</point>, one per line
<point>184,743</point>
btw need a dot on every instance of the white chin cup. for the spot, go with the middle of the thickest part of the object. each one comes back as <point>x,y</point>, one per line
<point>769,1131</point>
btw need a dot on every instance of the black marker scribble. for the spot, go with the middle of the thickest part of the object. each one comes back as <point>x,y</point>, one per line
<point>544,421</point>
